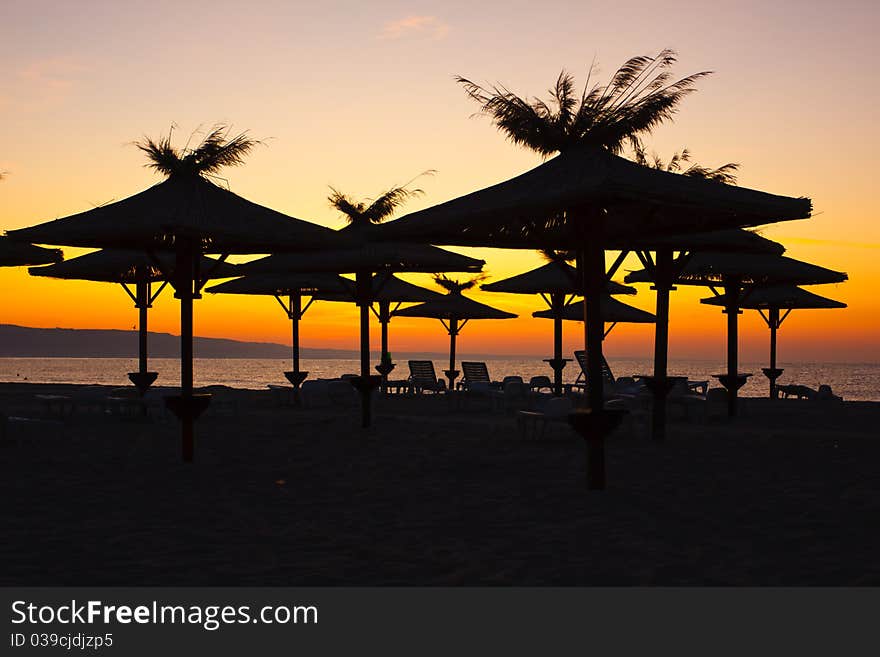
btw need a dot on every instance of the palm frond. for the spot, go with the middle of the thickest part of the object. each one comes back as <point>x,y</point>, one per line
<point>640,96</point>
<point>557,255</point>
<point>456,286</point>
<point>380,208</point>
<point>724,174</point>
<point>216,151</point>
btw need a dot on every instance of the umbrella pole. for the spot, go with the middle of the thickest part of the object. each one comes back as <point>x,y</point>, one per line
<point>364,384</point>
<point>731,292</point>
<point>294,314</point>
<point>295,301</point>
<point>142,379</point>
<point>663,285</point>
<point>557,302</point>
<point>143,299</point>
<point>451,373</point>
<point>385,365</point>
<point>774,325</point>
<point>184,273</point>
<point>593,422</point>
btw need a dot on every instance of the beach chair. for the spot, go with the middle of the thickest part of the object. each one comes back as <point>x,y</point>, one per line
<point>423,378</point>
<point>608,379</point>
<point>539,383</point>
<point>476,373</point>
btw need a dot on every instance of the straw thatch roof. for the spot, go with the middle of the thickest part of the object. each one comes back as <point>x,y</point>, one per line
<point>372,256</point>
<point>385,287</point>
<point>711,268</point>
<point>533,210</point>
<point>15,254</point>
<point>186,206</point>
<point>284,284</point>
<point>547,279</point>
<point>612,311</point>
<point>738,240</point>
<point>454,306</point>
<point>128,266</point>
<point>781,297</point>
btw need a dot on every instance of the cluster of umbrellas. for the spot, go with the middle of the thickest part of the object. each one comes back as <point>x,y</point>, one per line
<point>586,199</point>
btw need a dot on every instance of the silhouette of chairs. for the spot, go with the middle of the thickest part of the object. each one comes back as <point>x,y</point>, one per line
<point>476,374</point>
<point>422,377</point>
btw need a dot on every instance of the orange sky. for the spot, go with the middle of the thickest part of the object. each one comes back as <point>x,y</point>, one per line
<point>366,101</point>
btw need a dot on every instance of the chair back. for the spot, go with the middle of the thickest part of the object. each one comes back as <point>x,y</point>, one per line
<point>540,382</point>
<point>510,379</point>
<point>422,372</point>
<point>607,375</point>
<point>475,372</point>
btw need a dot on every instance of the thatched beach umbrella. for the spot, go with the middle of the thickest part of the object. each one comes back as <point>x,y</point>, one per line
<point>593,199</point>
<point>386,289</point>
<point>666,269</point>
<point>770,302</point>
<point>613,312</point>
<point>737,273</point>
<point>558,283</point>
<point>190,215</point>
<point>454,310</point>
<point>127,267</point>
<point>18,254</point>
<point>294,287</point>
<point>367,257</point>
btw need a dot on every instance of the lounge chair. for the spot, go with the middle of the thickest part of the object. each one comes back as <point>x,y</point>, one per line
<point>539,383</point>
<point>423,378</point>
<point>608,379</point>
<point>476,373</point>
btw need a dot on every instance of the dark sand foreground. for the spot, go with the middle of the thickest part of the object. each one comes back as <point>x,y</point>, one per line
<point>788,494</point>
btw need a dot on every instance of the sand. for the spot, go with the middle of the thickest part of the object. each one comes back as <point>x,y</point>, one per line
<point>434,494</point>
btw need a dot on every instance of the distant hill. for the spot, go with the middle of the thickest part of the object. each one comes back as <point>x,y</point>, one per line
<point>25,342</point>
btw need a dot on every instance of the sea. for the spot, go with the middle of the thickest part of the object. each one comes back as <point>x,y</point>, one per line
<point>852,381</point>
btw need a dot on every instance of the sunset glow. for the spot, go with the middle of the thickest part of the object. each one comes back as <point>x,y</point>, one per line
<point>363,101</point>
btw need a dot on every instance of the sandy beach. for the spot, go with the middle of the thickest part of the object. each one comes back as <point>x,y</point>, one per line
<point>436,494</point>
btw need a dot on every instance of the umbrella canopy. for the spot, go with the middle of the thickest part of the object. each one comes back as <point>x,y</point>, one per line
<point>613,311</point>
<point>779,297</point>
<point>712,268</point>
<point>369,256</point>
<point>769,301</point>
<point>309,284</point>
<point>385,288</point>
<point>535,209</point>
<point>454,310</point>
<point>454,306</point>
<point>128,266</point>
<point>15,254</point>
<point>554,277</point>
<point>182,205</point>
<point>737,240</point>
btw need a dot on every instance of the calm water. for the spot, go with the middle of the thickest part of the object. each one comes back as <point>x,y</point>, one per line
<point>854,381</point>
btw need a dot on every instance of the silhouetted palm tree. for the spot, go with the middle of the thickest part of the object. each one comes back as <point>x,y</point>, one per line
<point>455,286</point>
<point>374,211</point>
<point>676,164</point>
<point>215,151</point>
<point>640,96</point>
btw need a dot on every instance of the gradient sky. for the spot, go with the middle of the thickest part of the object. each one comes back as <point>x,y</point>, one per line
<point>362,97</point>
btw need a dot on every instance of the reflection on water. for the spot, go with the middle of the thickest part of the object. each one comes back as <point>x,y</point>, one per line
<point>854,381</point>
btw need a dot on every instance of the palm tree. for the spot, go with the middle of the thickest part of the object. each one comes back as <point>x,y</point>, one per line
<point>374,211</point>
<point>217,150</point>
<point>724,174</point>
<point>456,286</point>
<point>640,96</point>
